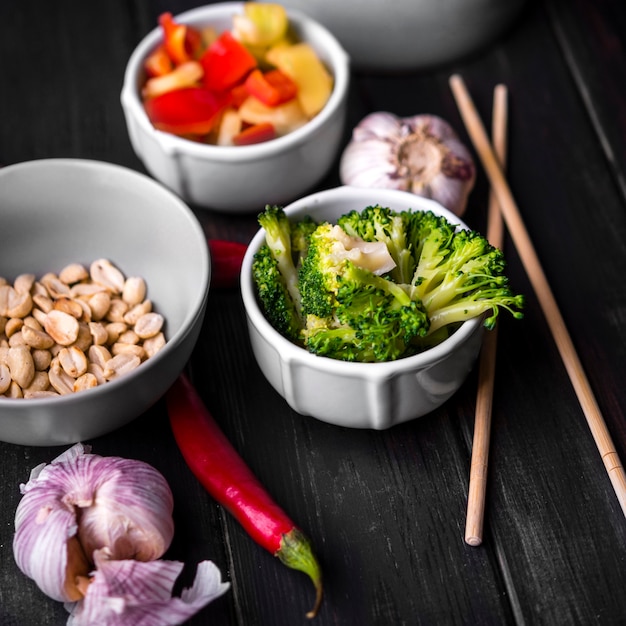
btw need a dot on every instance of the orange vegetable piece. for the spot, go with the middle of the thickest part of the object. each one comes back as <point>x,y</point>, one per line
<point>183,43</point>
<point>158,63</point>
<point>272,87</point>
<point>255,134</point>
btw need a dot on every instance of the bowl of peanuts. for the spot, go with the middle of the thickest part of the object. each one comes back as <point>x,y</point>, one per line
<point>104,279</point>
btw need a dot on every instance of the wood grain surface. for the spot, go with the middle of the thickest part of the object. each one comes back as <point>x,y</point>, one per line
<point>386,510</point>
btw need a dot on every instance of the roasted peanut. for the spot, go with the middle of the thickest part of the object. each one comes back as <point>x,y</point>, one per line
<point>73,361</point>
<point>24,283</point>
<point>13,325</point>
<point>73,273</point>
<point>99,303</point>
<point>86,381</point>
<point>99,355</point>
<point>38,339</point>
<point>65,333</point>
<point>41,359</point>
<point>120,364</point>
<point>105,273</point>
<point>137,311</point>
<point>148,325</point>
<point>21,365</point>
<point>60,379</point>
<point>153,344</point>
<point>98,332</point>
<point>134,291</point>
<point>62,327</point>
<point>5,378</point>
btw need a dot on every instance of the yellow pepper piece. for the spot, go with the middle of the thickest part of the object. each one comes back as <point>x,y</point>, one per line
<point>261,25</point>
<point>301,63</point>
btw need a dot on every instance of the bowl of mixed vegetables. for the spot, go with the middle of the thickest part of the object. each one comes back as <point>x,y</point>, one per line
<point>366,307</point>
<point>233,105</point>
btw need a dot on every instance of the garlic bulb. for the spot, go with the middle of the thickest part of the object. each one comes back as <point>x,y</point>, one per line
<point>421,154</point>
<point>85,519</point>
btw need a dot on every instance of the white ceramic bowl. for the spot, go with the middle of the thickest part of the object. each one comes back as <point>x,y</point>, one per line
<point>397,35</point>
<point>60,211</point>
<point>357,395</point>
<point>240,179</point>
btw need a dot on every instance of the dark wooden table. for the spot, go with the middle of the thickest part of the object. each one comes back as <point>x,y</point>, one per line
<point>386,510</point>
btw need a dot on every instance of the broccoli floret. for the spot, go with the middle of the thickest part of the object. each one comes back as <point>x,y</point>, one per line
<point>300,234</point>
<point>459,275</point>
<point>274,297</point>
<point>278,240</point>
<point>377,223</point>
<point>351,312</point>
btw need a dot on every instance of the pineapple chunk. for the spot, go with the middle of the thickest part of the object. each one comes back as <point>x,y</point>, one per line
<point>303,66</point>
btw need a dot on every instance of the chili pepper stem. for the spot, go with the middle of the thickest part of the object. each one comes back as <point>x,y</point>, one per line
<point>295,552</point>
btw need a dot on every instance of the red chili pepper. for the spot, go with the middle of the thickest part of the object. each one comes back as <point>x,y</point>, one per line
<point>257,133</point>
<point>226,62</point>
<point>272,87</point>
<point>189,111</point>
<point>226,258</point>
<point>225,475</point>
<point>183,43</point>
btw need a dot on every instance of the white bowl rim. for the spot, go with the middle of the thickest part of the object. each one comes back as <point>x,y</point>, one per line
<point>290,352</point>
<point>174,145</point>
<point>195,308</point>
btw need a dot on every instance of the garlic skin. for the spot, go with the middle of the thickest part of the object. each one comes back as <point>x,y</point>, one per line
<point>127,593</point>
<point>421,154</point>
<point>80,503</point>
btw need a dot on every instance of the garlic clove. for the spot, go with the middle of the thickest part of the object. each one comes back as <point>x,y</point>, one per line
<point>48,551</point>
<point>82,502</point>
<point>131,514</point>
<point>421,154</point>
<point>120,591</point>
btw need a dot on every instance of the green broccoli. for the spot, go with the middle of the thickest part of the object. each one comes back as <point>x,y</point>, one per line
<point>460,275</point>
<point>275,269</point>
<point>274,297</point>
<point>376,223</point>
<point>379,285</point>
<point>351,312</point>
<point>278,239</point>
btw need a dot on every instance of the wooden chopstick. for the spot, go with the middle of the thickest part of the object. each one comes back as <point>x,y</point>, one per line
<point>487,362</point>
<point>528,256</point>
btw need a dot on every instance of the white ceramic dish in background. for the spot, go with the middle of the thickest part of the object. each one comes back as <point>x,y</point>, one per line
<point>395,35</point>
<point>59,211</point>
<point>357,395</point>
<point>240,179</point>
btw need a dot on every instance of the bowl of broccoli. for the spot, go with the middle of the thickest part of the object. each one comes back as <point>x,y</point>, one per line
<point>366,308</point>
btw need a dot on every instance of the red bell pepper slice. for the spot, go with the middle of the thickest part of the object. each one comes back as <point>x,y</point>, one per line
<point>190,111</point>
<point>183,43</point>
<point>272,87</point>
<point>256,133</point>
<point>226,62</point>
<point>238,93</point>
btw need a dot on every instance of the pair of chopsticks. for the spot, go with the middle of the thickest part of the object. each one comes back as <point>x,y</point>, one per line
<point>503,199</point>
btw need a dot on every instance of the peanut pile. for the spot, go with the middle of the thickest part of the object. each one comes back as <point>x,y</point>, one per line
<point>63,333</point>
